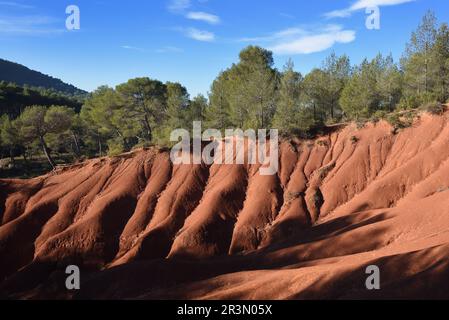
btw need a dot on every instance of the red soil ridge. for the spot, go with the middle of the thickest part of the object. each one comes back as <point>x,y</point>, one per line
<point>140,227</point>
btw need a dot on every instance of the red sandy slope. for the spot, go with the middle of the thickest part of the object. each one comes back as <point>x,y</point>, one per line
<point>139,227</point>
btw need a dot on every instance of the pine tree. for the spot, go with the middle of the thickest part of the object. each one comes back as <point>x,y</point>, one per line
<point>337,71</point>
<point>10,139</point>
<point>288,105</point>
<point>145,103</point>
<point>388,83</point>
<point>218,113</point>
<point>374,85</point>
<point>38,121</point>
<point>258,81</point>
<point>417,62</point>
<point>177,106</point>
<point>197,108</point>
<point>315,94</point>
<point>440,60</point>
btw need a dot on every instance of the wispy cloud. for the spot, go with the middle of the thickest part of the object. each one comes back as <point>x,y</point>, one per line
<point>180,7</point>
<point>15,5</point>
<point>29,25</point>
<point>128,47</point>
<point>301,41</point>
<point>169,49</point>
<point>290,32</point>
<point>199,35</point>
<point>363,4</point>
<point>166,49</point>
<point>203,16</point>
<point>177,6</point>
<point>287,15</point>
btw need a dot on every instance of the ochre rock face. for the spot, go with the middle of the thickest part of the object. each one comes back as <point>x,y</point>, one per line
<point>140,227</point>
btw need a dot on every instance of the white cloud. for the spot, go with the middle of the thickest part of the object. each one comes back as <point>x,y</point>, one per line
<point>314,43</point>
<point>290,32</point>
<point>169,49</point>
<point>180,7</point>
<point>287,15</point>
<point>28,25</point>
<point>127,47</point>
<point>203,16</point>
<point>293,41</point>
<point>177,6</point>
<point>200,35</point>
<point>166,49</point>
<point>338,13</point>
<point>363,4</point>
<point>276,35</point>
<point>15,5</point>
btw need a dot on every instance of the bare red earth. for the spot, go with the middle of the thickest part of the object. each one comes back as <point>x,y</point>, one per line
<point>139,227</point>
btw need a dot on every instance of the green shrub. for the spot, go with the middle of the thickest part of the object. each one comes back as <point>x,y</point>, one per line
<point>379,115</point>
<point>394,120</point>
<point>434,108</point>
<point>398,123</point>
<point>354,139</point>
<point>415,101</point>
<point>115,147</point>
<point>324,171</point>
<point>407,103</point>
<point>293,195</point>
<point>322,143</point>
<point>142,145</point>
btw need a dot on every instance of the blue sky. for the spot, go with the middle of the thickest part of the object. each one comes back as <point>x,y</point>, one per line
<point>190,41</point>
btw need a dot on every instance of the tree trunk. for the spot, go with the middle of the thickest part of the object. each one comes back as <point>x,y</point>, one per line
<point>221,112</point>
<point>11,155</point>
<point>426,62</point>
<point>426,86</point>
<point>148,132</point>
<point>332,109</point>
<point>99,147</point>
<point>77,145</point>
<point>47,152</point>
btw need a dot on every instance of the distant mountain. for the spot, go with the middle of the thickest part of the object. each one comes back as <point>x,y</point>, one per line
<point>21,75</point>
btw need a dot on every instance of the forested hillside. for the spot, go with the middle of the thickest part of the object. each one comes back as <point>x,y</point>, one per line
<point>14,99</point>
<point>23,76</point>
